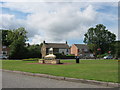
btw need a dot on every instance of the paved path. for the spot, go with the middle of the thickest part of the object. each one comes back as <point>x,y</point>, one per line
<point>14,80</point>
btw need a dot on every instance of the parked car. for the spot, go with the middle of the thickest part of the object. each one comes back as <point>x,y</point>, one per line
<point>3,57</point>
<point>108,57</point>
<point>0,57</point>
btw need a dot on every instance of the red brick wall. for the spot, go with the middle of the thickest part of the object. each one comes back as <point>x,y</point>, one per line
<point>74,50</point>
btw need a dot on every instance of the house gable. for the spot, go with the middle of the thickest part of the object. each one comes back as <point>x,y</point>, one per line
<point>43,50</point>
<point>79,49</point>
<point>57,48</point>
<point>82,47</point>
<point>57,45</point>
<point>74,50</point>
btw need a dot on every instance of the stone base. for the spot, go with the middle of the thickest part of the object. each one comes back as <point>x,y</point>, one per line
<point>41,61</point>
<point>50,61</point>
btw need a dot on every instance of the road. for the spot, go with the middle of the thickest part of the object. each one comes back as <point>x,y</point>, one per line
<point>14,80</point>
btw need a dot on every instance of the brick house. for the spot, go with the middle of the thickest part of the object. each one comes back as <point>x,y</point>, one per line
<point>80,50</point>
<point>62,48</point>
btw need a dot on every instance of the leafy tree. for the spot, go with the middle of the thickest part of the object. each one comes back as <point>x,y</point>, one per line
<point>17,39</point>
<point>34,51</point>
<point>5,42</point>
<point>116,49</point>
<point>99,38</point>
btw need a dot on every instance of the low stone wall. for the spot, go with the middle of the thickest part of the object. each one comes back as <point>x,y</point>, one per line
<point>41,61</point>
<point>50,61</point>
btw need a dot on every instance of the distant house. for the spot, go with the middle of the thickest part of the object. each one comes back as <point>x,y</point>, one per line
<point>80,50</point>
<point>62,48</point>
<point>4,51</point>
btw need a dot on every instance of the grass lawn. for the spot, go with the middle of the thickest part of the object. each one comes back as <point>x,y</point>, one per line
<point>101,70</point>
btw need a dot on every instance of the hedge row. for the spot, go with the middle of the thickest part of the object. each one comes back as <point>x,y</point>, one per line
<point>60,56</point>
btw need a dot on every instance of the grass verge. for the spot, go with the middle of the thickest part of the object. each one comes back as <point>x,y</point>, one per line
<point>100,70</point>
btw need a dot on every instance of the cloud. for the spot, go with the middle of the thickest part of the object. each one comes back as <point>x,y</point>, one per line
<point>56,22</point>
<point>67,23</point>
<point>8,21</point>
<point>61,1</point>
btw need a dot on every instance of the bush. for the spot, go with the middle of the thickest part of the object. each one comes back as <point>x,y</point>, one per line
<point>118,60</point>
<point>70,55</point>
<point>102,55</point>
<point>31,59</point>
<point>61,56</point>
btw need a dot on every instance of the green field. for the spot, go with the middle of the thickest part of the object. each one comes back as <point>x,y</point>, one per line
<point>101,70</point>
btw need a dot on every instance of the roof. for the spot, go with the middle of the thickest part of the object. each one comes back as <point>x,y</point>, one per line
<point>81,46</point>
<point>57,45</point>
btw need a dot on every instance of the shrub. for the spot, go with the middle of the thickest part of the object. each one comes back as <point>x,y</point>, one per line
<point>61,56</point>
<point>70,55</point>
<point>118,60</point>
<point>31,59</point>
<point>102,55</point>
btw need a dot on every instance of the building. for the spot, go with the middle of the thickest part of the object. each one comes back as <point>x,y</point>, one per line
<point>4,52</point>
<point>81,50</point>
<point>62,48</point>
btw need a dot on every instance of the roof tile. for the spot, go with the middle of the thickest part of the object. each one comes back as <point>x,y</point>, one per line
<point>57,45</point>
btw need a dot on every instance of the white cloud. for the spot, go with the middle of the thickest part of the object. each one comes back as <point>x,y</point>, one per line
<point>36,39</point>
<point>67,23</point>
<point>60,0</point>
<point>55,22</point>
<point>8,21</point>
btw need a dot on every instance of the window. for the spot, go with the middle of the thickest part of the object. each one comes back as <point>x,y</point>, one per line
<point>67,50</point>
<point>4,46</point>
<point>85,50</point>
<point>4,52</point>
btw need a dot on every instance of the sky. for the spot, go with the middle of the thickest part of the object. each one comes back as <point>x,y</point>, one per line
<point>58,22</point>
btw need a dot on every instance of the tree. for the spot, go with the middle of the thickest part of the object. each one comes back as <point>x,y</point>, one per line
<point>34,51</point>
<point>99,38</point>
<point>17,39</point>
<point>5,42</point>
<point>116,51</point>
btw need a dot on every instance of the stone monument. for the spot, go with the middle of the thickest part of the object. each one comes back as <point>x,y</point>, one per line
<point>50,59</point>
<point>50,56</point>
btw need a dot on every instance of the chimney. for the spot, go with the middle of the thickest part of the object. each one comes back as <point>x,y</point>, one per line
<point>44,42</point>
<point>66,42</point>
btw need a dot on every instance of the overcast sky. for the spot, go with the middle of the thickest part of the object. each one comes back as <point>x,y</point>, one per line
<point>58,21</point>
